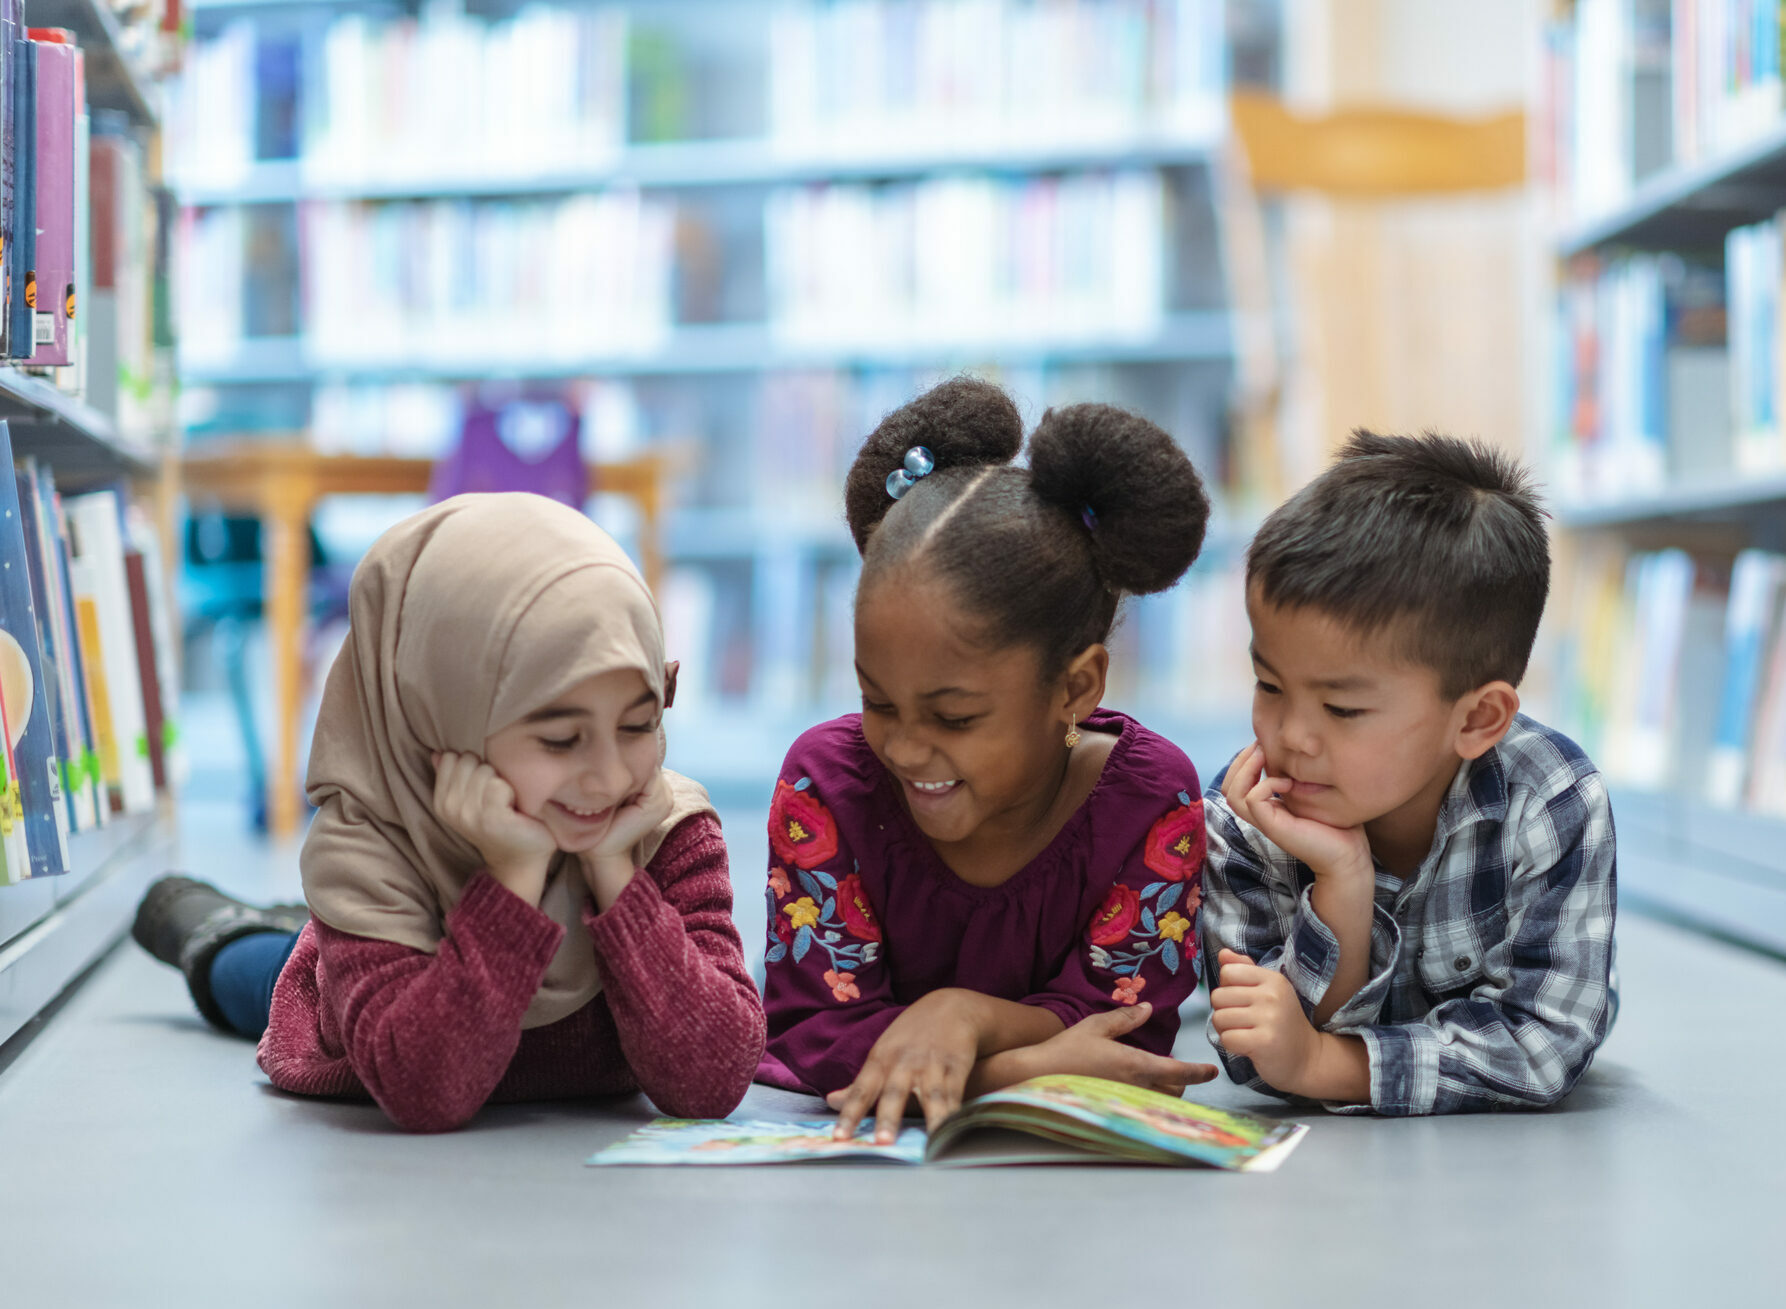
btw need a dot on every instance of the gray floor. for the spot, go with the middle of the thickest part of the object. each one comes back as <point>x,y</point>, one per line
<point>145,1161</point>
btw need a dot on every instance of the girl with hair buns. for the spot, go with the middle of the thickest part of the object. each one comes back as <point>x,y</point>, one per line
<point>510,897</point>
<point>983,876</point>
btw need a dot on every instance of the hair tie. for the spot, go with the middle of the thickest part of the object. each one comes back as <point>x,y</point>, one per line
<point>1089,518</point>
<point>918,464</point>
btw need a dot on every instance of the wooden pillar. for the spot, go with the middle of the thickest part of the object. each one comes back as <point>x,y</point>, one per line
<point>287,500</point>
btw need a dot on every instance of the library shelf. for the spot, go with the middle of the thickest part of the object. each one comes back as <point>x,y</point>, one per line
<point>700,164</point>
<point>1693,206</point>
<point>1720,870</point>
<point>113,81</point>
<point>1713,500</point>
<point>52,929</point>
<point>723,348</point>
<point>81,443</point>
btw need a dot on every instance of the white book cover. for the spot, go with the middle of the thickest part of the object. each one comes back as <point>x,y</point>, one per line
<point>100,546</point>
<point>1756,584</point>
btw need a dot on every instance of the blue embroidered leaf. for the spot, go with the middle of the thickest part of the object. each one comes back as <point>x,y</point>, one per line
<point>1128,970</point>
<point>803,783</point>
<point>834,936</point>
<point>825,879</point>
<point>810,884</point>
<point>776,954</point>
<point>1184,797</point>
<point>802,943</point>
<point>1169,956</point>
<point>830,907</point>
<point>1196,965</point>
<point>1171,896</point>
<point>1151,889</point>
<point>1147,923</point>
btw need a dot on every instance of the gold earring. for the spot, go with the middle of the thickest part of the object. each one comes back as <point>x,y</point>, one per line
<point>1072,733</point>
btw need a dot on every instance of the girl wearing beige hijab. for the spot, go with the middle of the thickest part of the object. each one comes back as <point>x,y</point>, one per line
<point>510,896</point>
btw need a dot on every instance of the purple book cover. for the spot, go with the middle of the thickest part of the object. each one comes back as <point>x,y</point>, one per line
<point>55,202</point>
<point>9,31</point>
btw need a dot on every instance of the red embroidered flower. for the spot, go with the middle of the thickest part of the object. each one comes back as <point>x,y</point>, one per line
<point>858,914</point>
<point>778,882</point>
<point>1116,915</point>
<point>1176,843</point>
<point>783,929</point>
<point>1128,989</point>
<point>843,985</point>
<point>801,830</point>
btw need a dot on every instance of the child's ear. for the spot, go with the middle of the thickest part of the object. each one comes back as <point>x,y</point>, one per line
<point>1488,713</point>
<point>1085,679</point>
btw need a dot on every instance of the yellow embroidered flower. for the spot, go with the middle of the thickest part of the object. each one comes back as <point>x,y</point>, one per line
<point>1173,927</point>
<point>803,912</point>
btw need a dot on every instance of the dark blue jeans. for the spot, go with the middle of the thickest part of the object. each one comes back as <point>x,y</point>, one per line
<point>242,977</point>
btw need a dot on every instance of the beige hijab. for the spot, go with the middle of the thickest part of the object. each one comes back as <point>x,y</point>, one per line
<point>463,619</point>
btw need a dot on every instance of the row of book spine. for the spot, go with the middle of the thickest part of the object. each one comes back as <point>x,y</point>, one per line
<point>464,283</point>
<point>548,89</point>
<point>1633,86</point>
<point>88,681</point>
<point>1671,369</point>
<point>1675,673</point>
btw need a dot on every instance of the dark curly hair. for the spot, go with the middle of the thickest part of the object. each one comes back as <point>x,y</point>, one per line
<point>1437,541</point>
<point>1109,505</point>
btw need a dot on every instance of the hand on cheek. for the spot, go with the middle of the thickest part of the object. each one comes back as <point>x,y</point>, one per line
<point>1258,1016</point>
<point>1257,799</point>
<point>472,800</point>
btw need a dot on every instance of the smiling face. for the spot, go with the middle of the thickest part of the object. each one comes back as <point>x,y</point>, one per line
<point>574,761</point>
<point>973,736</point>
<point>1365,735</point>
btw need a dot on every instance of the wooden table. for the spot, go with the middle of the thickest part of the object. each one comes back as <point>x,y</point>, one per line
<point>281,481</point>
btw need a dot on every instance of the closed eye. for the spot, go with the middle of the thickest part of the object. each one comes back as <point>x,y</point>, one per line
<point>875,707</point>
<point>1265,686</point>
<point>558,745</point>
<point>958,724</point>
<point>1336,712</point>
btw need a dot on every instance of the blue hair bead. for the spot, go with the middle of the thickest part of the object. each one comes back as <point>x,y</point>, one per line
<point>918,463</point>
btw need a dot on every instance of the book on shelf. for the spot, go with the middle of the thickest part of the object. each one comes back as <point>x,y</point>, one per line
<point>1053,1119</point>
<point>102,596</point>
<point>52,292</point>
<point>34,795</point>
<point>22,301</point>
<point>1752,622</point>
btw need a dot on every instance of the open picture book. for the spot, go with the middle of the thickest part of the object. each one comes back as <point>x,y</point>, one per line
<point>1056,1119</point>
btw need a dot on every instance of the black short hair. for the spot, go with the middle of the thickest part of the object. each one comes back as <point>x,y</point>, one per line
<point>1040,555</point>
<point>1440,538</point>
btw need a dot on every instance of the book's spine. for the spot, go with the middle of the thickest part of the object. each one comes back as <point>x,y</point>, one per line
<point>59,557</point>
<point>55,190</point>
<point>9,28</point>
<point>154,719</point>
<point>99,545</point>
<point>22,329</point>
<point>31,736</point>
<point>52,650</point>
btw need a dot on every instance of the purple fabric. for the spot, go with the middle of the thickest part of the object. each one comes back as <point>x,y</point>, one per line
<point>483,461</point>
<point>840,835</point>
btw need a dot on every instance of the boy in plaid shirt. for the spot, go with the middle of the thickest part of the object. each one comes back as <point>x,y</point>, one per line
<point>1410,888</point>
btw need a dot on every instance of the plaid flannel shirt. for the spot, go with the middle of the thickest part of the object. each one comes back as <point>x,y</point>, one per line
<point>1491,968</point>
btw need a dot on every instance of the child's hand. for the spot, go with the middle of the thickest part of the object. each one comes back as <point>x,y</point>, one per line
<point>611,868</point>
<point>636,816</point>
<point>928,1051</point>
<point>1328,851</point>
<point>1259,1017</point>
<point>1091,1048</point>
<point>472,800</point>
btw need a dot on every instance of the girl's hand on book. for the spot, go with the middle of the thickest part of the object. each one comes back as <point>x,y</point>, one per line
<point>472,800</point>
<point>1092,1047</point>
<point>1339,852</point>
<point>928,1052</point>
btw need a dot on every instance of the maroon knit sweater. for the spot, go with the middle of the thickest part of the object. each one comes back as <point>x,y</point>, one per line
<point>433,1037</point>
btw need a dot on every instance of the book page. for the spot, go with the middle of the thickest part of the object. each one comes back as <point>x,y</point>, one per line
<point>725,1141</point>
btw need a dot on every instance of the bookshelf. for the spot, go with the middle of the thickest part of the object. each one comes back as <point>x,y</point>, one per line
<point>736,146</point>
<point>53,928</point>
<point>1666,126</point>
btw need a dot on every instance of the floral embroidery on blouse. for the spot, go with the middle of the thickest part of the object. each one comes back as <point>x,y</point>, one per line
<point>1132,926</point>
<point>819,910</point>
<point>801,830</point>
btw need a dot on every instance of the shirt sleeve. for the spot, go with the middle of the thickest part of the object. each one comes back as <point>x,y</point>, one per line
<point>1258,904</point>
<point>1527,1029</point>
<point>431,1035</point>
<point>827,991</point>
<point>1141,943</point>
<point>684,1006</point>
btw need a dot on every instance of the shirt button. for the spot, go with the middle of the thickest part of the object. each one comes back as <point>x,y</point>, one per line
<point>1461,963</point>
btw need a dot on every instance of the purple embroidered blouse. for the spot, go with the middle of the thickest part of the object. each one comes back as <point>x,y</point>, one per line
<point>865,917</point>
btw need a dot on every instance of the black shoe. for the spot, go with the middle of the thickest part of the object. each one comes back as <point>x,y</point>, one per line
<point>185,922</point>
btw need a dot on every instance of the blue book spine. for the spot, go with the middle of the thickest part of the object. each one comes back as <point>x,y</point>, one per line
<point>22,684</point>
<point>87,772</point>
<point>49,642</point>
